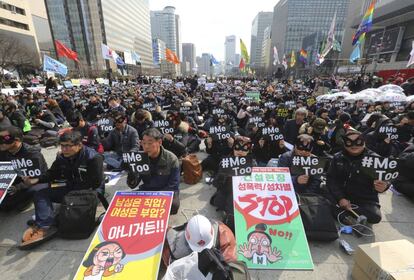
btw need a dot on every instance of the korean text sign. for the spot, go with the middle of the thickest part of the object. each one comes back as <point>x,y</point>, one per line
<point>269,229</point>
<point>7,176</point>
<point>130,239</point>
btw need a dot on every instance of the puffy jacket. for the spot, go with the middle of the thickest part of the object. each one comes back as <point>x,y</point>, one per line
<point>83,171</point>
<point>165,173</point>
<point>346,180</point>
<point>314,182</point>
<point>406,167</point>
<point>122,142</point>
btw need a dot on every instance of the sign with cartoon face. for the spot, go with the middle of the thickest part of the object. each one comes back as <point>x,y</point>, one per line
<point>130,239</point>
<point>269,229</point>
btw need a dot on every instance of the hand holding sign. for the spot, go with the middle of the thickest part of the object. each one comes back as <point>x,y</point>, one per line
<point>379,168</point>
<point>138,162</point>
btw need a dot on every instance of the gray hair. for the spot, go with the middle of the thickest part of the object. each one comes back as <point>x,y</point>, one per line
<point>301,110</point>
<point>153,132</point>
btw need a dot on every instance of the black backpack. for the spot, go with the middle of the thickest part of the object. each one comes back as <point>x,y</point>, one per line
<point>76,219</point>
<point>317,217</point>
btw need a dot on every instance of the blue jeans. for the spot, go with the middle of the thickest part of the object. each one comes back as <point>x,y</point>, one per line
<point>43,201</point>
<point>113,159</point>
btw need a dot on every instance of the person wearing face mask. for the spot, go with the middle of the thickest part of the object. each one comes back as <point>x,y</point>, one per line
<point>223,198</point>
<point>349,185</point>
<point>302,183</point>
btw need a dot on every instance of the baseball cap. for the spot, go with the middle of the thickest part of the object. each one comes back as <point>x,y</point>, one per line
<point>199,233</point>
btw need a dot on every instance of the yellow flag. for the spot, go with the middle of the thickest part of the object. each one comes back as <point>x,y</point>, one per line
<point>293,59</point>
<point>244,52</point>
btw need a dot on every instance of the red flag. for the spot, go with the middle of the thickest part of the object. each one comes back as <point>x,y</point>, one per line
<point>62,50</point>
<point>242,64</point>
<point>171,56</point>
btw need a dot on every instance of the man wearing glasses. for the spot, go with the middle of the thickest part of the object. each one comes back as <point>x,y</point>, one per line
<point>80,168</point>
<point>122,139</point>
<point>19,195</point>
<point>349,185</point>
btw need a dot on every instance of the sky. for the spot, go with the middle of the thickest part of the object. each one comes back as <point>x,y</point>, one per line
<point>206,23</point>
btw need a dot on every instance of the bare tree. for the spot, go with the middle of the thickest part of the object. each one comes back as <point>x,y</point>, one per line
<point>14,55</point>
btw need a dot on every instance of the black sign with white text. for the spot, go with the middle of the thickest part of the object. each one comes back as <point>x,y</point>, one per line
<point>137,161</point>
<point>307,165</point>
<point>236,166</point>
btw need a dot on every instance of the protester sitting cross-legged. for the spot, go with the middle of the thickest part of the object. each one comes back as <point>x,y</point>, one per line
<point>122,139</point>
<point>89,132</point>
<point>349,185</point>
<point>79,167</point>
<point>303,148</point>
<point>164,168</point>
<point>19,195</point>
<point>45,120</point>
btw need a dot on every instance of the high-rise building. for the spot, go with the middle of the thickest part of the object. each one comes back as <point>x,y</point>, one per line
<point>229,52</point>
<point>293,20</point>
<point>266,56</point>
<point>158,50</point>
<point>259,24</point>
<point>84,24</point>
<point>165,25</point>
<point>388,45</point>
<point>133,32</point>
<point>16,23</point>
<point>205,65</point>
<point>42,28</point>
<point>189,55</point>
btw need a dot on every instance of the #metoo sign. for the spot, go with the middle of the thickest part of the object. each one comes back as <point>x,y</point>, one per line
<point>27,167</point>
<point>236,166</point>
<point>137,161</point>
<point>379,168</point>
<point>308,165</point>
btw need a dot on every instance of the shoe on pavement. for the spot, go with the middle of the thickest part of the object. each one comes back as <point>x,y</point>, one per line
<point>35,236</point>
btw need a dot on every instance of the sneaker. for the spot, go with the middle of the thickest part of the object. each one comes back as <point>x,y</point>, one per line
<point>35,236</point>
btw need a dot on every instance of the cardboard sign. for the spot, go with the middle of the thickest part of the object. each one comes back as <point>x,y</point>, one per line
<point>105,125</point>
<point>164,126</point>
<point>273,133</point>
<point>254,95</point>
<point>236,166</point>
<point>27,167</point>
<point>137,161</point>
<point>388,131</point>
<point>269,229</point>
<point>379,168</point>
<point>308,165</point>
<point>219,132</point>
<point>7,176</point>
<point>130,238</point>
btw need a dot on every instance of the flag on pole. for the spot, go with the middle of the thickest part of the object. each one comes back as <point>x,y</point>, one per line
<point>356,53</point>
<point>118,60</point>
<point>331,38</point>
<point>62,50</point>
<point>292,59</point>
<point>276,60</point>
<point>411,60</point>
<point>303,56</point>
<point>106,52</point>
<point>366,23</point>
<point>242,64</point>
<point>319,59</point>
<point>52,65</point>
<point>135,57</point>
<point>284,62</point>
<point>170,56</point>
<point>244,52</point>
<point>213,60</point>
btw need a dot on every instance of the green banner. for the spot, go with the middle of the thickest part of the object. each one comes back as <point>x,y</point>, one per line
<point>269,229</point>
<point>254,94</point>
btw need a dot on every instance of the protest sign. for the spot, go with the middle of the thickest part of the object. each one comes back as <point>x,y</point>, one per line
<point>7,176</point>
<point>75,82</point>
<point>218,111</point>
<point>388,131</point>
<point>273,133</point>
<point>105,125</point>
<point>269,229</point>
<point>138,162</point>
<point>379,168</point>
<point>257,121</point>
<point>164,126</point>
<point>149,106</point>
<point>187,110</point>
<point>210,86</point>
<point>270,105</point>
<point>308,165</point>
<point>219,132</point>
<point>67,84</point>
<point>130,239</point>
<point>236,166</point>
<point>290,104</point>
<point>311,101</point>
<point>282,112</point>
<point>254,95</point>
<point>27,167</point>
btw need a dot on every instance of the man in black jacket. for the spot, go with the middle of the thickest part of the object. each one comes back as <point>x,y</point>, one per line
<point>291,130</point>
<point>19,195</point>
<point>349,185</point>
<point>15,116</point>
<point>44,119</point>
<point>94,109</point>
<point>90,134</point>
<point>79,167</point>
<point>404,182</point>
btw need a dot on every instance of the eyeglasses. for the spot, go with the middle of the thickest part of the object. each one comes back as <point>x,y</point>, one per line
<point>67,146</point>
<point>359,142</point>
